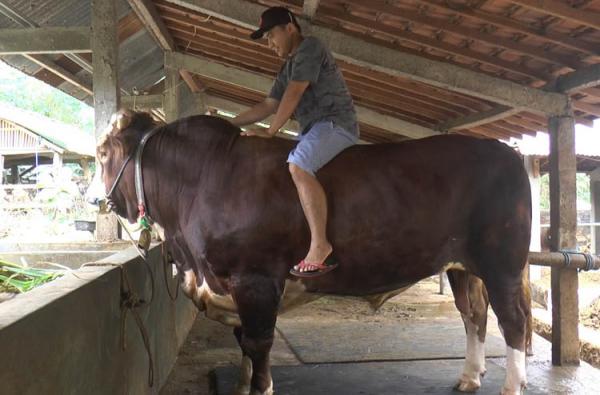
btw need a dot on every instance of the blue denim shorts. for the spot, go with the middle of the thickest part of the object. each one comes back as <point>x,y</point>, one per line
<point>323,142</point>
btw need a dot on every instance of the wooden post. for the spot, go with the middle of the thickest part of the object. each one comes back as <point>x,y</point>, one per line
<point>1,169</point>
<point>106,88</point>
<point>172,82</point>
<point>85,166</point>
<point>14,175</point>
<point>595,192</point>
<point>563,225</point>
<point>444,283</point>
<point>57,162</point>
<point>532,165</point>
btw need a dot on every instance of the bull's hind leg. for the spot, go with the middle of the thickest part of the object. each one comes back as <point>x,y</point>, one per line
<point>471,300</point>
<point>257,299</point>
<point>509,301</point>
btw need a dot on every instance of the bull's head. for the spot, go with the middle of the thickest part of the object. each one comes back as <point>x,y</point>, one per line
<point>118,143</point>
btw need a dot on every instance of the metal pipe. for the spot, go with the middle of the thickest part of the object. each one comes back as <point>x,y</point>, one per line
<point>567,260</point>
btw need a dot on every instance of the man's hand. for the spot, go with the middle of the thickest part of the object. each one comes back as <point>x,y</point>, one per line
<point>257,132</point>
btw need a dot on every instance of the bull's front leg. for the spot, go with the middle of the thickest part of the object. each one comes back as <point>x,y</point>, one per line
<point>244,381</point>
<point>257,299</point>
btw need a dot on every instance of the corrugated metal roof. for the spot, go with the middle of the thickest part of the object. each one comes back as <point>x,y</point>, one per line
<point>58,12</point>
<point>62,135</point>
<point>141,61</point>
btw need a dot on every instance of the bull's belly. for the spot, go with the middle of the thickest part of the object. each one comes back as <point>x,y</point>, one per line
<point>222,308</point>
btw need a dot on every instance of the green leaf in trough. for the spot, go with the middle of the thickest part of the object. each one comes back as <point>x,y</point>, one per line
<point>18,278</point>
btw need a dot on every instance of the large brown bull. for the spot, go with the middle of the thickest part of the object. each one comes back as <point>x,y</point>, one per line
<point>398,214</point>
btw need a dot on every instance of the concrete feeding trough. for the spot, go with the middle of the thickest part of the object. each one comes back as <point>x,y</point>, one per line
<point>70,329</point>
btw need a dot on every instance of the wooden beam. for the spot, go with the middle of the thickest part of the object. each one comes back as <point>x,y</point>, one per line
<point>563,227</point>
<point>61,72</point>
<point>262,84</point>
<point>380,58</point>
<point>194,86</point>
<point>26,22</point>
<point>147,13</point>
<point>562,10</point>
<point>143,101</point>
<point>151,19</point>
<point>581,79</point>
<point>309,8</point>
<point>480,118</point>
<point>40,40</point>
<point>589,108</point>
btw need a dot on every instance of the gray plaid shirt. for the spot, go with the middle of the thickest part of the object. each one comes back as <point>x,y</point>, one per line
<point>327,97</point>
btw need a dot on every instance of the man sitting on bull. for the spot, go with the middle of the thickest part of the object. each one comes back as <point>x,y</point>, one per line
<point>310,86</point>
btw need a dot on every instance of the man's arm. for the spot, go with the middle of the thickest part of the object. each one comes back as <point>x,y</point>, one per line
<point>288,104</point>
<point>257,113</point>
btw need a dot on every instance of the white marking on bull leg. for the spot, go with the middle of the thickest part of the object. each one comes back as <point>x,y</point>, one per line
<point>243,385</point>
<point>474,369</point>
<point>516,377</point>
<point>268,391</point>
<point>189,283</point>
<point>216,307</point>
<point>453,266</point>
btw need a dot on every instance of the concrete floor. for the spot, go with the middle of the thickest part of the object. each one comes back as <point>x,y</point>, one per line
<point>211,346</point>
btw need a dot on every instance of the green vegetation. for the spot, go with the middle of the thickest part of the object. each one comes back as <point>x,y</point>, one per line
<point>17,278</point>
<point>583,190</point>
<point>20,90</point>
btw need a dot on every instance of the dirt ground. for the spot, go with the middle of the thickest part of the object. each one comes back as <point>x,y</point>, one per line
<point>211,344</point>
<point>589,316</point>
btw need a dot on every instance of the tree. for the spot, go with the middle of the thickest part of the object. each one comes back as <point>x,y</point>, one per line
<point>28,93</point>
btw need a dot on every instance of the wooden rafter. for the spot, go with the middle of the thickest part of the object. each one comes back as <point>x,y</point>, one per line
<point>61,72</point>
<point>563,11</point>
<point>477,35</point>
<point>516,26</point>
<point>431,42</point>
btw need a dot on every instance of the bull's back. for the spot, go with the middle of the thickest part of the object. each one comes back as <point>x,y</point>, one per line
<point>400,212</point>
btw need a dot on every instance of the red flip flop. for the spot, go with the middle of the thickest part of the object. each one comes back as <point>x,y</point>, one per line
<point>315,269</point>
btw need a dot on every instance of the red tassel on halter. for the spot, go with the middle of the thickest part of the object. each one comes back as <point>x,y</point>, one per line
<point>142,210</point>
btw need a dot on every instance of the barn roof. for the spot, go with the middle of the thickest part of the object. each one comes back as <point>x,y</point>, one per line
<point>64,136</point>
<point>539,46</point>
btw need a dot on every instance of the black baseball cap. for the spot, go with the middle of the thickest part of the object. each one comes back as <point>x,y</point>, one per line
<point>272,17</point>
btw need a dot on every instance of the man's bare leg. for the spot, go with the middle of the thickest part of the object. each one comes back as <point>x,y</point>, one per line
<point>314,204</point>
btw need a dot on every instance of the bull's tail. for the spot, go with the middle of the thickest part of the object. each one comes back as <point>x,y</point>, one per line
<point>527,307</point>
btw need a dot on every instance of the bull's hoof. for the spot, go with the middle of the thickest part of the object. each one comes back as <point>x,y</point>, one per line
<point>467,385</point>
<point>506,391</point>
<point>470,382</point>
<point>268,391</point>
